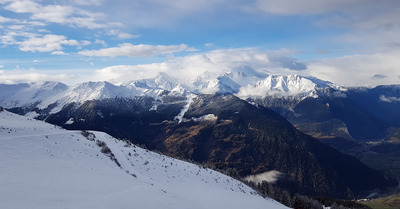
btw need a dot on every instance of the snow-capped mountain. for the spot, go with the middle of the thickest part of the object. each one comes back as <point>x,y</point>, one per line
<point>44,166</point>
<point>227,83</point>
<point>221,84</point>
<point>53,96</point>
<point>161,81</point>
<point>32,93</point>
<point>286,86</point>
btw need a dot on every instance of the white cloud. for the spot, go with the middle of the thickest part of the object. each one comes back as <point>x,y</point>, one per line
<point>46,43</point>
<point>140,50</point>
<point>22,6</point>
<point>59,53</point>
<point>369,23</point>
<point>347,71</point>
<point>37,61</point>
<point>70,42</point>
<point>305,7</point>
<point>37,42</point>
<point>88,2</point>
<point>122,35</point>
<point>248,60</point>
<point>61,14</point>
<point>85,43</point>
<point>29,34</point>
<point>53,13</point>
<point>23,76</point>
<point>16,27</point>
<point>121,73</point>
<point>101,42</point>
<point>383,98</point>
<point>7,39</point>
<point>373,69</point>
<point>5,19</point>
<point>269,176</point>
<point>158,13</point>
<point>10,37</point>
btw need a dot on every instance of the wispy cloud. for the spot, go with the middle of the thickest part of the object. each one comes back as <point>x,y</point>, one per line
<point>89,2</point>
<point>347,70</point>
<point>59,53</point>
<point>305,7</point>
<point>54,13</point>
<point>140,50</point>
<point>353,70</point>
<point>248,60</point>
<point>361,34</point>
<point>46,43</point>
<point>389,99</point>
<point>32,31</point>
<point>32,75</point>
<point>122,35</point>
<point>5,19</point>
<point>369,23</point>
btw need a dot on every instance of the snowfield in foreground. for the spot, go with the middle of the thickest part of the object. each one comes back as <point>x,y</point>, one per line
<point>43,166</point>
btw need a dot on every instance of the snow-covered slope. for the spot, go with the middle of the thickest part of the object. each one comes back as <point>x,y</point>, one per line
<point>43,166</point>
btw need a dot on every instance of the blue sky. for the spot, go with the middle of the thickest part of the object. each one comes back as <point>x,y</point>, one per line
<point>350,42</point>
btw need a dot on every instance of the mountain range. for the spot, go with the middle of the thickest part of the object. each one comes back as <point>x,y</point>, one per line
<point>316,107</point>
<point>230,121</point>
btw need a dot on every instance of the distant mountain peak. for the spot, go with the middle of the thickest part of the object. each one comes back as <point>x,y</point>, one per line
<point>286,86</point>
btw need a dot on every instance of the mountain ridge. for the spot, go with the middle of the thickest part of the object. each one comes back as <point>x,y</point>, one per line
<point>229,83</point>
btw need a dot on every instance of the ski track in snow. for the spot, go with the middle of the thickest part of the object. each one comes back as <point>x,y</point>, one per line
<point>185,108</point>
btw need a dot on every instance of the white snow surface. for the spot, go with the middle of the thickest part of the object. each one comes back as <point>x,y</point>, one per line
<point>43,166</point>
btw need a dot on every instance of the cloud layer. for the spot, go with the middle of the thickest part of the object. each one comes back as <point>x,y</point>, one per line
<point>356,70</point>
<point>23,76</point>
<point>349,42</point>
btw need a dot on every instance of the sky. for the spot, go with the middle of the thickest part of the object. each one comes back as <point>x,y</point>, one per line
<point>348,42</point>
